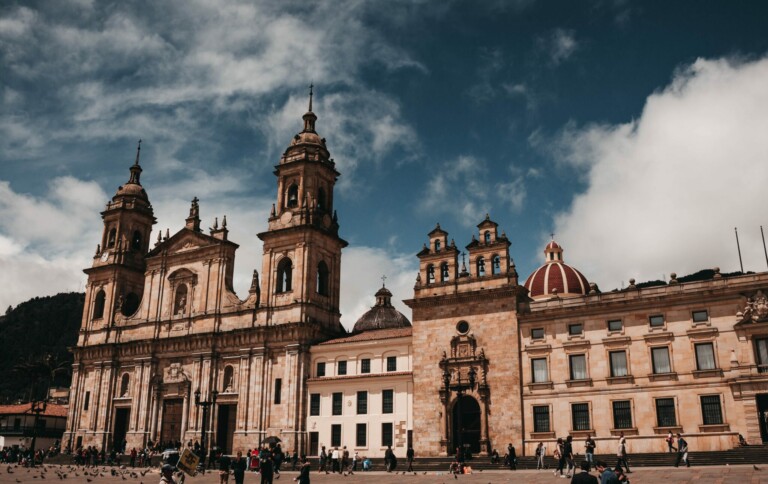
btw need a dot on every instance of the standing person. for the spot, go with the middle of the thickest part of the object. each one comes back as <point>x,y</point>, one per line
<point>344,460</point>
<point>239,465</point>
<point>409,457</point>
<point>323,461</point>
<point>224,464</point>
<point>266,466</point>
<point>133,457</point>
<point>303,477</point>
<point>254,466</point>
<point>682,451</point>
<point>540,453</point>
<point>589,446</point>
<point>670,442</point>
<point>584,477</point>
<point>559,456</point>
<point>389,459</point>
<point>277,460</point>
<point>568,454</point>
<point>621,454</point>
<point>512,457</point>
<point>355,460</point>
<point>335,460</point>
<point>606,474</point>
<point>294,460</point>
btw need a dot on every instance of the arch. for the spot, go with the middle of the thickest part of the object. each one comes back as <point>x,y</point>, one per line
<point>98,304</point>
<point>487,236</point>
<point>480,266</point>
<point>292,198</point>
<point>445,274</point>
<point>284,275</point>
<point>131,304</point>
<point>430,274</point>
<point>495,265</point>
<point>229,379</point>
<point>466,422</point>
<point>180,300</point>
<point>322,201</point>
<point>136,240</point>
<point>124,381</point>
<point>437,245</point>
<point>322,278</point>
<point>111,238</point>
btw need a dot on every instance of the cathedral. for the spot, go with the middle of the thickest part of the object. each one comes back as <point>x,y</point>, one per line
<point>168,352</point>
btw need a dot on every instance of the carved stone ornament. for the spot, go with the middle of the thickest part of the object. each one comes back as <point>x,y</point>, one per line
<point>174,374</point>
<point>756,309</point>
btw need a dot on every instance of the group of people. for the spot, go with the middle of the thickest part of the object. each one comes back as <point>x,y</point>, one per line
<point>266,461</point>
<point>339,461</point>
<point>23,456</point>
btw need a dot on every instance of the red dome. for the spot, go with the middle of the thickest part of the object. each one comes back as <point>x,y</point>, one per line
<point>556,277</point>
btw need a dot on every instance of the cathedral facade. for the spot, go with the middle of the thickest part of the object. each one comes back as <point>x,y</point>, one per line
<point>168,352</point>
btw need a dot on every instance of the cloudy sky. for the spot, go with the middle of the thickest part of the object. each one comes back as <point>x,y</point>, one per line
<point>637,132</point>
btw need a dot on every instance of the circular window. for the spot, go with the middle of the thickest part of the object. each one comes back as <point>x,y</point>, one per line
<point>462,327</point>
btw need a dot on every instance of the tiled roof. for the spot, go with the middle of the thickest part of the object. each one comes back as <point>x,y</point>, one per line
<point>356,377</point>
<point>52,410</point>
<point>372,335</point>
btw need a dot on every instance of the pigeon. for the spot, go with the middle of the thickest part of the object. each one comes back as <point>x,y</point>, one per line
<point>89,480</point>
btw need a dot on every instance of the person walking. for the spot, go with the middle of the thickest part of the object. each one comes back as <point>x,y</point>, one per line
<point>409,454</point>
<point>239,466</point>
<point>541,451</point>
<point>323,461</point>
<point>589,447</point>
<point>345,461</point>
<point>224,464</point>
<point>303,477</point>
<point>266,466</point>
<point>389,459</point>
<point>682,451</point>
<point>559,457</point>
<point>568,453</point>
<point>670,442</point>
<point>621,453</point>
<point>584,477</point>
<point>512,457</point>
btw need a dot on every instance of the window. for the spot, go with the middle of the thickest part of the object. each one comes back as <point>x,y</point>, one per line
<point>539,370</point>
<point>321,200</point>
<point>341,367</point>
<point>278,390</point>
<point>701,316</point>
<point>656,321</point>
<point>575,329</point>
<point>480,266</point>
<point>711,412</point>
<point>136,241</point>
<point>444,273</point>
<point>615,325</point>
<point>17,424</point>
<point>131,304</point>
<point>124,385</point>
<point>336,435</point>
<point>660,357</point>
<point>337,403</point>
<point>580,415</point>
<point>229,377</point>
<point>430,274</point>
<point>705,356</point>
<point>98,305</point>
<point>361,435</point>
<point>365,365</point>
<point>437,245</point>
<point>618,363</point>
<point>322,279</point>
<point>362,403</point>
<point>487,237</point>
<point>386,434</point>
<point>761,354</point>
<point>496,265</point>
<point>320,369</point>
<point>578,367</point>
<point>87,400</point>
<point>622,414</point>
<point>292,200</point>
<point>665,412</point>
<point>537,333</point>
<point>284,275</point>
<point>541,418</point>
<point>314,404</point>
<point>112,238</point>
<point>387,401</point>
<point>391,363</point>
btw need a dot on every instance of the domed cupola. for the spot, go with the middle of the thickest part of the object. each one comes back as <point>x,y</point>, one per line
<point>307,144</point>
<point>381,316</point>
<point>133,188</point>
<point>556,278</point>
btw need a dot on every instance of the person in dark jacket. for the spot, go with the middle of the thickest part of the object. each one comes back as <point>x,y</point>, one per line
<point>409,455</point>
<point>584,477</point>
<point>512,457</point>
<point>239,465</point>
<point>266,466</point>
<point>303,477</point>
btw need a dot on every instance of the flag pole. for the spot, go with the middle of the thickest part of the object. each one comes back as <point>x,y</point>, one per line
<point>738,247</point>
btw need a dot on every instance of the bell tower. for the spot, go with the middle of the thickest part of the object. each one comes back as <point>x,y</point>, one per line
<point>302,248</point>
<point>116,277</point>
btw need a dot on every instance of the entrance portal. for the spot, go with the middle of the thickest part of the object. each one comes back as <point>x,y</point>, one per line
<point>120,428</point>
<point>762,415</point>
<point>466,425</point>
<point>171,429</point>
<point>225,428</point>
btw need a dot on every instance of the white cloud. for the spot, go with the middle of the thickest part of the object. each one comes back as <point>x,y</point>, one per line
<point>665,191</point>
<point>559,45</point>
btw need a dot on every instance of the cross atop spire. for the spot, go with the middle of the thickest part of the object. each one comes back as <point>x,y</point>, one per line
<point>136,168</point>
<point>311,92</point>
<point>552,235</point>
<point>309,117</point>
<point>138,152</point>
<point>383,280</point>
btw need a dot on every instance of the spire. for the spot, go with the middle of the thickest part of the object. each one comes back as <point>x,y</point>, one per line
<point>193,221</point>
<point>309,117</point>
<point>136,168</point>
<point>311,87</point>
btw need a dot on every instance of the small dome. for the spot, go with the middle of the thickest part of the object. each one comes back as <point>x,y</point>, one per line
<point>555,277</point>
<point>381,316</point>
<point>131,190</point>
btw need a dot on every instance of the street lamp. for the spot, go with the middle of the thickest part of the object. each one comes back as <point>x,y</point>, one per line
<point>461,388</point>
<point>206,406</point>
<point>38,407</point>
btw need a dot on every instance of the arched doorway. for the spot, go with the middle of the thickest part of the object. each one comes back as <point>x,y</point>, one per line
<point>466,425</point>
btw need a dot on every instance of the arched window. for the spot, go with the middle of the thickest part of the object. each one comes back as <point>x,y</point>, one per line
<point>98,305</point>
<point>284,275</point>
<point>124,385</point>
<point>292,200</point>
<point>136,241</point>
<point>180,300</point>
<point>131,304</point>
<point>480,266</point>
<point>321,200</point>
<point>487,237</point>
<point>111,238</point>
<point>496,265</point>
<point>322,279</point>
<point>444,274</point>
<point>229,378</point>
<point>437,245</point>
<point>430,274</point>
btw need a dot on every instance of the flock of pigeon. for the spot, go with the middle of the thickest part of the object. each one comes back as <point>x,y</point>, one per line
<point>64,472</point>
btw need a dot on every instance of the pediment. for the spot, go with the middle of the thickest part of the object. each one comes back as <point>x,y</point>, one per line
<point>187,240</point>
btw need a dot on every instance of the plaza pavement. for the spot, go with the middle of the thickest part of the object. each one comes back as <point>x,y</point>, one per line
<point>703,475</point>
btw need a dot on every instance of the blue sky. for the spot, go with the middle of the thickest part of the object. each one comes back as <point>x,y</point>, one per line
<point>635,131</point>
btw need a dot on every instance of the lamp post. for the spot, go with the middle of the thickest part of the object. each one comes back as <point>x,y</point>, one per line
<point>461,388</point>
<point>38,407</point>
<point>206,406</point>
